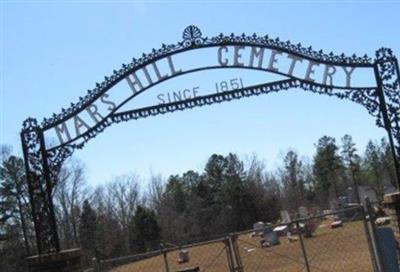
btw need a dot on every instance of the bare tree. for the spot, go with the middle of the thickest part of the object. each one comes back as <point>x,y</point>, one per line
<point>122,199</point>
<point>69,195</point>
<point>155,191</point>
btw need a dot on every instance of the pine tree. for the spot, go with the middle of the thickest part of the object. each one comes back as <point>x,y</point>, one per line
<point>145,230</point>
<point>326,169</point>
<point>13,196</point>
<point>293,180</point>
<point>87,230</point>
<point>352,162</point>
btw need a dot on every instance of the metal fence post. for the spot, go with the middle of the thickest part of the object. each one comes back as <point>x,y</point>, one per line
<point>100,265</point>
<point>236,253</point>
<point>96,267</point>
<point>303,248</point>
<point>370,230</point>
<point>165,260</point>
<point>229,254</point>
<point>368,235</point>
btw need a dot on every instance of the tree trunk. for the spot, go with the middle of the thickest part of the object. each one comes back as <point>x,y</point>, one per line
<point>23,224</point>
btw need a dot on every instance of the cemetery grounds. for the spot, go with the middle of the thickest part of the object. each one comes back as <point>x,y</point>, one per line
<point>341,249</point>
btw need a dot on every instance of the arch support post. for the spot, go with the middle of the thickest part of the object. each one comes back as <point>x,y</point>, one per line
<point>388,91</point>
<point>40,187</point>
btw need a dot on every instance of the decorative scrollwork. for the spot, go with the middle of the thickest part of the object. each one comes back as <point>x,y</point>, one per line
<point>192,38</point>
<point>56,158</point>
<point>30,124</point>
<point>384,54</point>
<point>46,235</point>
<point>388,70</point>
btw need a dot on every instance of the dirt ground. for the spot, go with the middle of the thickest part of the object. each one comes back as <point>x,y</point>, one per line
<point>341,249</point>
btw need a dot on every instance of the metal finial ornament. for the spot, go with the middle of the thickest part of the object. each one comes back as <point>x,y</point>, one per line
<point>192,36</point>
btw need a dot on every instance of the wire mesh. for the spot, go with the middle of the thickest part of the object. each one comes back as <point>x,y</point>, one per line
<point>210,257</point>
<point>327,247</point>
<point>148,262</point>
<point>344,248</point>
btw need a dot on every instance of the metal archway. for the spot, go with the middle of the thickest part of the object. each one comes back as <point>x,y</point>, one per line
<point>43,162</point>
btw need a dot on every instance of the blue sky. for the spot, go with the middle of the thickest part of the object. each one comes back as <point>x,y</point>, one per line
<point>53,51</point>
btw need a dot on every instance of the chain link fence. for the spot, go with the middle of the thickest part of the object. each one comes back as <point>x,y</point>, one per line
<point>214,255</point>
<point>340,241</point>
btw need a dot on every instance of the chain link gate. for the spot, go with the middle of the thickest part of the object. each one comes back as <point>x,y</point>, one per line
<point>215,255</point>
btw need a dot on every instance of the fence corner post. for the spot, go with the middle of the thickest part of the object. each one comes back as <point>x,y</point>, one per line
<point>229,254</point>
<point>372,235</point>
<point>237,261</point>
<point>165,252</point>
<point>96,266</point>
<point>303,248</point>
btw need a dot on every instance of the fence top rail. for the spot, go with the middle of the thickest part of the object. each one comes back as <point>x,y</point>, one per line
<point>224,238</point>
<point>132,257</point>
<point>161,251</point>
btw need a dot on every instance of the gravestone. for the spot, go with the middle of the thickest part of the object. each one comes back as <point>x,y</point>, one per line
<point>303,212</point>
<point>270,238</point>
<point>285,217</point>
<point>258,228</point>
<point>183,256</point>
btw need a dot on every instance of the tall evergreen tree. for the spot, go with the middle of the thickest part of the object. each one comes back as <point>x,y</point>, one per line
<point>176,190</point>
<point>327,165</point>
<point>374,168</point>
<point>87,230</point>
<point>378,167</point>
<point>14,196</point>
<point>239,204</point>
<point>145,229</point>
<point>293,180</point>
<point>388,162</point>
<point>352,163</point>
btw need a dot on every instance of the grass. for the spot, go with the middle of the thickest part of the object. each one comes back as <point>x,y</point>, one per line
<point>341,249</point>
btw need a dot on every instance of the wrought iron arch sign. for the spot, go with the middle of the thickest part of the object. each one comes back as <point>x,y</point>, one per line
<point>43,161</point>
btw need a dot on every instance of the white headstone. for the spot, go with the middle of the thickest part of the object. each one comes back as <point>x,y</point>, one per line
<point>183,256</point>
<point>303,212</point>
<point>285,216</point>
